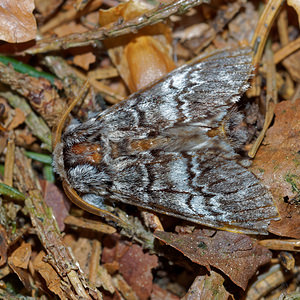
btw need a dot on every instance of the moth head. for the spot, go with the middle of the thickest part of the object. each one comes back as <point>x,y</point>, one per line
<point>58,145</point>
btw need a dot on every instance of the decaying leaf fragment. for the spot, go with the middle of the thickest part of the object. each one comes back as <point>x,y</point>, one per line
<point>234,254</point>
<point>49,274</point>
<point>207,287</point>
<point>134,265</point>
<point>277,164</point>
<point>18,262</point>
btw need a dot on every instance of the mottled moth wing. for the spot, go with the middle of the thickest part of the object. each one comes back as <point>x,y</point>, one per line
<point>169,148</point>
<point>199,93</point>
<point>197,186</point>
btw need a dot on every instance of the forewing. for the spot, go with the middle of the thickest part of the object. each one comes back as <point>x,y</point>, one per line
<point>204,188</point>
<point>200,93</point>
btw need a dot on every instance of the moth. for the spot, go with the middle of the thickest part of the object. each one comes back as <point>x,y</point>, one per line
<point>171,148</point>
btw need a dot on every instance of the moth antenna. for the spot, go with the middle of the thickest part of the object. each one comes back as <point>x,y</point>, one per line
<point>67,112</point>
<point>76,199</point>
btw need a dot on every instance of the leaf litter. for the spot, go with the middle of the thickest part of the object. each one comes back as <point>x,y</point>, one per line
<point>48,246</point>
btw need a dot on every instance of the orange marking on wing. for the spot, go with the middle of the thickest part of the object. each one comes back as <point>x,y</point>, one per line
<point>89,152</point>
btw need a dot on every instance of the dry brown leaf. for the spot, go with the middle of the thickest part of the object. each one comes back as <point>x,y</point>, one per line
<point>126,11</point>
<point>124,288</point>
<point>49,274</point>
<point>136,266</point>
<point>277,164</point>
<point>103,73</point>
<point>81,60</point>
<point>247,20</point>
<point>84,60</point>
<point>193,31</point>
<point>57,200</point>
<point>24,137</point>
<point>4,108</point>
<point>104,279</point>
<point>133,264</point>
<point>112,251</point>
<point>207,287</point>
<point>89,224</point>
<point>82,250</point>
<point>18,119</point>
<point>17,23</point>
<point>18,262</point>
<point>20,257</point>
<point>69,28</point>
<point>234,254</point>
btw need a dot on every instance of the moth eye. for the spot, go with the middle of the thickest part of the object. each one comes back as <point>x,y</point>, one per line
<point>89,153</point>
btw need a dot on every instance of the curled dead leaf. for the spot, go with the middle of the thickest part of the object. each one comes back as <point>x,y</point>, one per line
<point>17,23</point>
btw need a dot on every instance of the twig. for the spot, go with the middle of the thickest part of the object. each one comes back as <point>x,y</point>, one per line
<point>267,281</point>
<point>259,39</point>
<point>220,21</point>
<point>276,244</point>
<point>69,15</point>
<point>282,26</point>
<point>111,96</point>
<point>286,50</point>
<point>271,100</point>
<point>263,28</point>
<point>47,230</point>
<point>114,29</point>
<point>89,224</point>
<point>94,261</point>
<point>73,80</point>
<point>9,162</point>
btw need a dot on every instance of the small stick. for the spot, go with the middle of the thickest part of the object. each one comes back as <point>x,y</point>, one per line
<point>271,99</point>
<point>94,261</point>
<point>276,244</point>
<point>9,162</point>
<point>114,29</point>
<point>286,50</point>
<point>282,26</point>
<point>263,28</point>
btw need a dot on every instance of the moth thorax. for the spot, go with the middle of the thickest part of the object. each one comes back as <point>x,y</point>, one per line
<point>87,152</point>
<point>236,129</point>
<point>232,128</point>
